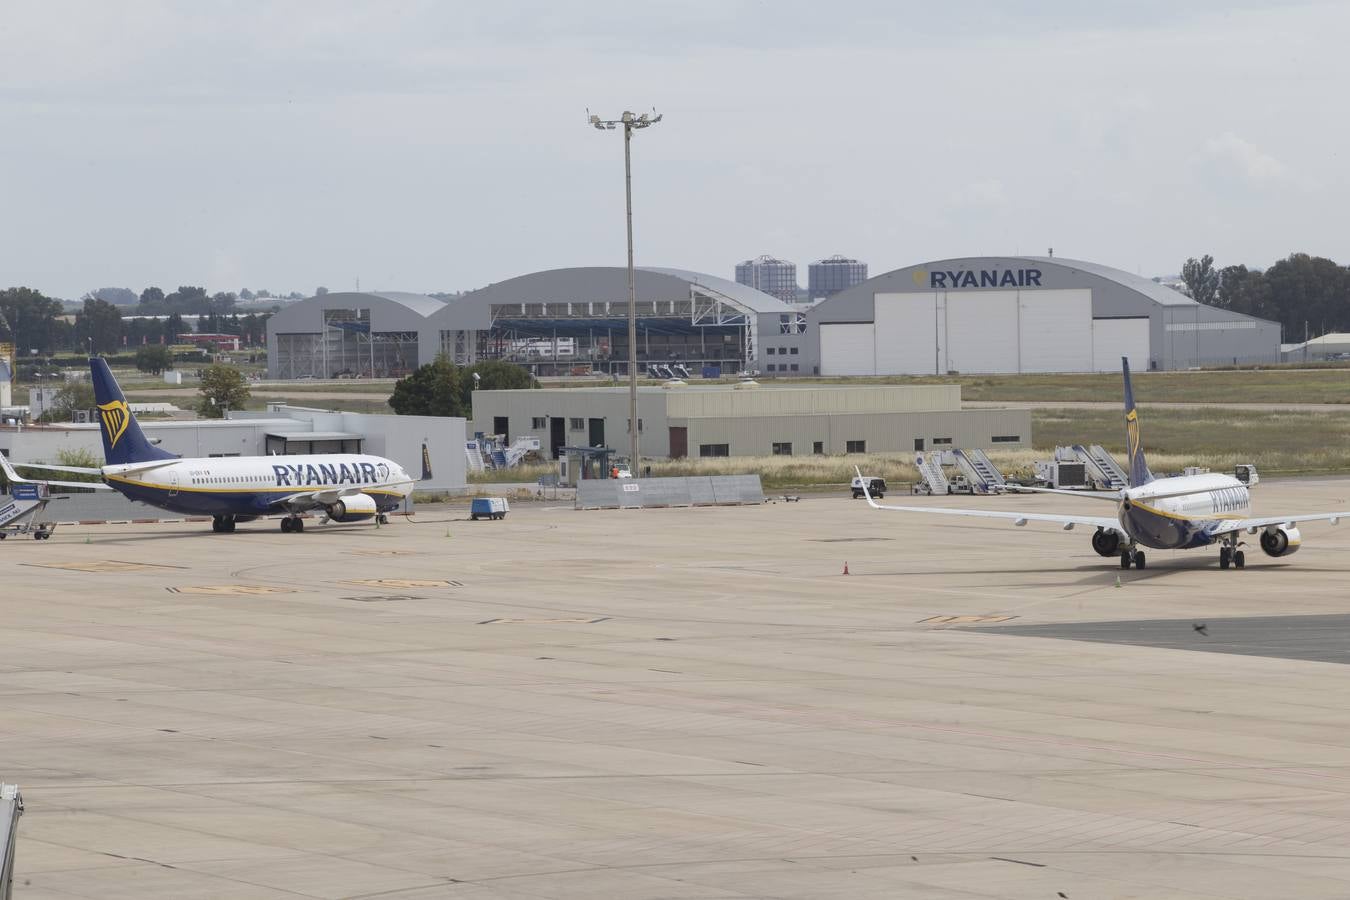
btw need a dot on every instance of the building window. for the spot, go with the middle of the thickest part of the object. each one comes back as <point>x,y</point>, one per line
<point>771,351</point>
<point>855,446</point>
<point>940,442</point>
<point>818,448</point>
<point>628,424</point>
<point>782,351</point>
<point>770,367</point>
<point>793,351</point>
<point>794,367</point>
<point>1007,439</point>
<point>538,422</point>
<point>576,424</point>
<point>782,449</point>
<point>714,449</point>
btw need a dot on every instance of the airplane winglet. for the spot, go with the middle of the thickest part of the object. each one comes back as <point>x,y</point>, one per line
<point>867,494</point>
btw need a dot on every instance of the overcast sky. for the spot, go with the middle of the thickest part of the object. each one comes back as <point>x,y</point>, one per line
<point>434,145</point>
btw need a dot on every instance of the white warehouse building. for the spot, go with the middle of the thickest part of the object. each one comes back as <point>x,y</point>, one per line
<point>1020,314</point>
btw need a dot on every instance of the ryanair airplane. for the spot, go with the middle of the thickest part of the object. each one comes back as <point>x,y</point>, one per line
<point>1179,513</point>
<point>347,487</point>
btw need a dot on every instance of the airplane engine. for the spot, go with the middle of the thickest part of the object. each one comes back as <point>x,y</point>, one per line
<point>1106,543</point>
<point>1281,541</point>
<point>352,509</point>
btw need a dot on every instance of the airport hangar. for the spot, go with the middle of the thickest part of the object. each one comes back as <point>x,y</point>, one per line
<point>1021,314</point>
<point>282,430</point>
<point>750,419</point>
<point>556,321</point>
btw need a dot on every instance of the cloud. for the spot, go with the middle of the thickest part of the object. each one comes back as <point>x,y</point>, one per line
<point>1245,158</point>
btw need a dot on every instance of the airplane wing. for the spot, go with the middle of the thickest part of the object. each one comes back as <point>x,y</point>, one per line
<point>1252,526</point>
<point>312,499</point>
<point>1108,496</point>
<point>1017,518</point>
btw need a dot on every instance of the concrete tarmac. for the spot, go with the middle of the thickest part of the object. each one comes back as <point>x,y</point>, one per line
<point>681,703</point>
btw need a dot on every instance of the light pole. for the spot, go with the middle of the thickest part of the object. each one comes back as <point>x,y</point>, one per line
<point>629,123</point>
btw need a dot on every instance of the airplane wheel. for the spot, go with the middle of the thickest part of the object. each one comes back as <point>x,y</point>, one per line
<point>1125,560</point>
<point>1225,556</point>
<point>1139,560</point>
<point>298,526</point>
<point>286,525</point>
<point>1240,559</point>
<point>229,526</point>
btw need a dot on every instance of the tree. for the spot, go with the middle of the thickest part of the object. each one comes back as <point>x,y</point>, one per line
<point>1309,293</point>
<point>245,294</point>
<point>72,397</point>
<point>153,358</point>
<point>1202,281</point>
<point>1245,291</point>
<point>30,320</point>
<point>100,324</point>
<point>116,296</point>
<point>222,388</point>
<point>320,291</point>
<point>433,390</point>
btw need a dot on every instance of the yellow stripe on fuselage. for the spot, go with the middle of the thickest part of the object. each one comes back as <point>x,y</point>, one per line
<point>244,488</point>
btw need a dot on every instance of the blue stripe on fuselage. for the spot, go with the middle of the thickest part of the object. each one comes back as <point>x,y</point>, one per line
<point>223,503</point>
<point>1162,532</point>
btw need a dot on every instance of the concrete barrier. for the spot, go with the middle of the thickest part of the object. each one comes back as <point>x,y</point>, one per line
<point>655,493</point>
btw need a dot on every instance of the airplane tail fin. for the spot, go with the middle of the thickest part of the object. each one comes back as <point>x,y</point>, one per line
<point>123,440</point>
<point>1134,449</point>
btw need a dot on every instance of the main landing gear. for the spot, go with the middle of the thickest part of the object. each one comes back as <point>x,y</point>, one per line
<point>292,524</point>
<point>1229,553</point>
<point>1132,556</point>
<point>222,524</point>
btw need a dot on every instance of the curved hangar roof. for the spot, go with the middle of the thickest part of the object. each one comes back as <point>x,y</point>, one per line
<point>390,310</point>
<point>1110,287</point>
<point>607,284</point>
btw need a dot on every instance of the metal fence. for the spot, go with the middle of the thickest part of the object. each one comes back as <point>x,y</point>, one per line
<point>654,493</point>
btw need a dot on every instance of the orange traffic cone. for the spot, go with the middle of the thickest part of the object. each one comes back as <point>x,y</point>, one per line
<point>845,567</point>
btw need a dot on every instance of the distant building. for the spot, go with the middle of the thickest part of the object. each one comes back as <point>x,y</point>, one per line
<point>774,277</point>
<point>828,277</point>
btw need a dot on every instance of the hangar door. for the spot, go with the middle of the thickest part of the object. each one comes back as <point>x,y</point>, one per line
<point>1056,331</point>
<point>848,349</point>
<point>907,333</point>
<point>1114,338</point>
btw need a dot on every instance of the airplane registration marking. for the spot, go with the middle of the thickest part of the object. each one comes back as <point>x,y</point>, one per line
<point>223,590</point>
<point>102,565</point>
<point>962,620</point>
<point>405,582</point>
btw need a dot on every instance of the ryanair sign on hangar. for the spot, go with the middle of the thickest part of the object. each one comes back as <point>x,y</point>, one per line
<point>945,280</point>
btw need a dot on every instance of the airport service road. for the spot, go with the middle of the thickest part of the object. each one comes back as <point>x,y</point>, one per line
<point>672,703</point>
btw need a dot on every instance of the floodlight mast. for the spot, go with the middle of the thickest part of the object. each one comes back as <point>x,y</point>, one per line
<point>629,121</point>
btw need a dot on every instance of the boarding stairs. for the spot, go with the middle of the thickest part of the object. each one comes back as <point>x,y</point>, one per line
<point>1103,468</point>
<point>512,455</point>
<point>983,475</point>
<point>931,477</point>
<point>474,454</point>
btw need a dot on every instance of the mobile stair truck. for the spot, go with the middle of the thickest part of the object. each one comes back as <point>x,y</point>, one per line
<point>22,511</point>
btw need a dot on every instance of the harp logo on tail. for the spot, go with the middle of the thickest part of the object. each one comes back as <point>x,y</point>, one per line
<point>1132,435</point>
<point>115,416</point>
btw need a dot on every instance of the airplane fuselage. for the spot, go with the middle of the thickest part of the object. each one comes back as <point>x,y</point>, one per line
<point>252,485</point>
<point>1182,512</point>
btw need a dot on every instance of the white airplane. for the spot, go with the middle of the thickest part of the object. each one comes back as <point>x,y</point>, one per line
<point>347,487</point>
<point>1179,513</point>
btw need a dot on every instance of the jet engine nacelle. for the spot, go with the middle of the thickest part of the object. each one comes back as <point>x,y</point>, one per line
<point>353,508</point>
<point>1106,543</point>
<point>1281,541</point>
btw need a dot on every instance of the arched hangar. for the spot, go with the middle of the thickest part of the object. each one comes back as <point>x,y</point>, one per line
<point>1011,314</point>
<point>553,321</point>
